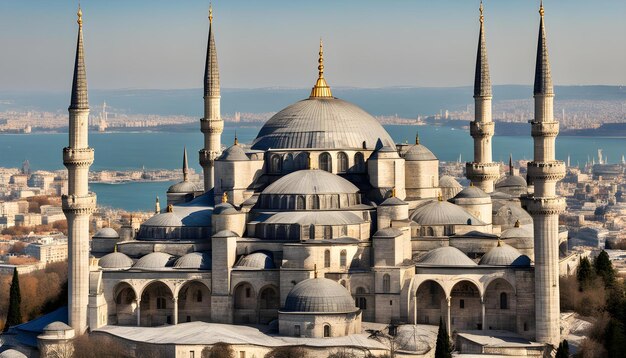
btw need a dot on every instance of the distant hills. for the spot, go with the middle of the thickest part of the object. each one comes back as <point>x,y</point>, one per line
<point>403,101</point>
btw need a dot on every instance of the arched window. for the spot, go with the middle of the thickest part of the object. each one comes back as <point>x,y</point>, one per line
<point>276,163</point>
<point>327,258</point>
<point>504,301</point>
<point>359,162</point>
<point>326,330</point>
<point>430,231</point>
<point>316,202</point>
<point>342,258</point>
<point>300,204</point>
<point>359,301</point>
<point>342,162</point>
<point>386,283</point>
<point>326,162</point>
<point>288,163</point>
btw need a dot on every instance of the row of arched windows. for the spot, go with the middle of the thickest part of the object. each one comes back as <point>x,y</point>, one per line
<point>343,257</point>
<point>287,163</point>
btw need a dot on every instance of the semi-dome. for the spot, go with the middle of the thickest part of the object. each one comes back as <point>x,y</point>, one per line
<point>194,261</point>
<point>315,218</point>
<point>115,260</point>
<point>445,256</point>
<point>256,260</point>
<point>311,181</point>
<point>107,233</point>
<point>504,255</point>
<point>154,261</point>
<point>443,213</point>
<point>419,152</point>
<point>471,192</point>
<point>321,123</point>
<point>234,153</point>
<point>319,295</point>
<point>167,219</point>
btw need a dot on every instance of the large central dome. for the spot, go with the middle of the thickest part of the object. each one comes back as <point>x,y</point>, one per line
<point>321,123</point>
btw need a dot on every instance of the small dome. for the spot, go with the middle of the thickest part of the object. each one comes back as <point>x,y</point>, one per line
<point>511,181</point>
<point>443,213</point>
<point>154,261</point>
<point>516,233</point>
<point>419,152</point>
<point>445,256</point>
<point>107,233</point>
<point>167,219</point>
<point>393,201</point>
<point>388,232</point>
<point>319,295</point>
<point>225,233</point>
<point>471,192</point>
<point>447,181</point>
<point>233,153</point>
<point>256,260</point>
<point>504,255</point>
<point>311,181</point>
<point>12,353</point>
<point>384,152</point>
<point>115,260</point>
<point>183,187</point>
<point>57,326</point>
<point>315,218</point>
<point>194,261</point>
<point>321,123</point>
<point>224,208</point>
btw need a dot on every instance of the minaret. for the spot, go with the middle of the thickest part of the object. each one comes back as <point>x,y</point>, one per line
<point>482,172</point>
<point>212,124</point>
<point>79,203</point>
<point>185,166</point>
<point>544,205</point>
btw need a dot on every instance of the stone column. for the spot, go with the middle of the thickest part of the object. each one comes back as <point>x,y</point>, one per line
<point>448,299</point>
<point>175,300</point>
<point>138,311</point>
<point>482,305</point>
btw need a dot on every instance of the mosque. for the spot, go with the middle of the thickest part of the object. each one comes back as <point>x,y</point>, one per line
<point>324,224</point>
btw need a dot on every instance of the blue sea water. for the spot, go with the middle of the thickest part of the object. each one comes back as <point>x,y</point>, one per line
<point>158,150</point>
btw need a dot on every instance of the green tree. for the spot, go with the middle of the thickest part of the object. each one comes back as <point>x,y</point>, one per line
<point>14,315</point>
<point>604,268</point>
<point>443,348</point>
<point>584,274</point>
<point>615,339</point>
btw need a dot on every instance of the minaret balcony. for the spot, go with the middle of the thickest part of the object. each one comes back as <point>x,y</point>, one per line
<point>543,206</point>
<point>211,126</point>
<point>546,171</point>
<point>207,157</point>
<point>73,204</point>
<point>544,129</point>
<point>482,171</point>
<point>481,129</point>
<point>77,156</point>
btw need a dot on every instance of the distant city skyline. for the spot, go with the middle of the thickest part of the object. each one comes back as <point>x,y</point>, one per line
<point>156,44</point>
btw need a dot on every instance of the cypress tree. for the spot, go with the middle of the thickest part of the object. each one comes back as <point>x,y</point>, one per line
<point>443,348</point>
<point>603,266</point>
<point>584,274</point>
<point>563,350</point>
<point>14,316</point>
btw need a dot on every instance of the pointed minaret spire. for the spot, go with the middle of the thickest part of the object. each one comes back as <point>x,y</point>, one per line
<point>211,124</point>
<point>79,83</point>
<point>511,170</point>
<point>185,166</point>
<point>482,80</point>
<point>321,89</point>
<point>543,78</point>
<point>417,138</point>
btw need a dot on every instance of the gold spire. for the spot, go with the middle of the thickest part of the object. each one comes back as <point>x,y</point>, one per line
<point>499,242</point>
<point>482,18</point>
<point>541,12</point>
<point>236,142</point>
<point>440,197</point>
<point>417,138</point>
<point>517,223</point>
<point>80,16</point>
<point>224,197</point>
<point>170,208</point>
<point>393,192</point>
<point>321,89</point>
<point>210,13</point>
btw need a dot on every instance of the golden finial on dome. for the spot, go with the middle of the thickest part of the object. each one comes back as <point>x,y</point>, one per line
<point>393,192</point>
<point>517,223</point>
<point>541,12</point>
<point>225,197</point>
<point>170,208</point>
<point>499,242</point>
<point>417,138</point>
<point>482,18</point>
<point>321,88</point>
<point>236,139</point>
<point>439,197</point>
<point>210,13</point>
<point>80,16</point>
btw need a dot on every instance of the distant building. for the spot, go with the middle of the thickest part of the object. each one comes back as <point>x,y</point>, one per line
<point>48,250</point>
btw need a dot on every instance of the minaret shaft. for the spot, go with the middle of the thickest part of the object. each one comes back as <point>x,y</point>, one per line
<point>211,124</point>
<point>482,171</point>
<point>544,205</point>
<point>79,203</point>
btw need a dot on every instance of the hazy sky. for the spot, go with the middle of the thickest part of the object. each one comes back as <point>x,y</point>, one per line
<point>377,43</point>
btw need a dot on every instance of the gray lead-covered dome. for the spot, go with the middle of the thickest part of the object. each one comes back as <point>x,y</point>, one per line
<point>194,261</point>
<point>419,152</point>
<point>504,255</point>
<point>155,261</point>
<point>445,256</point>
<point>321,123</point>
<point>107,233</point>
<point>443,213</point>
<point>115,260</point>
<point>319,295</point>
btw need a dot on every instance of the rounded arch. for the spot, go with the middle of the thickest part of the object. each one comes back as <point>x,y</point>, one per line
<point>386,283</point>
<point>359,162</point>
<point>327,258</point>
<point>276,163</point>
<point>244,303</point>
<point>343,259</point>
<point>269,303</point>
<point>430,303</point>
<point>500,305</point>
<point>325,162</point>
<point>465,306</point>
<point>327,330</point>
<point>342,162</point>
<point>288,163</point>
<point>125,299</point>
<point>156,304</point>
<point>360,298</point>
<point>194,302</point>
